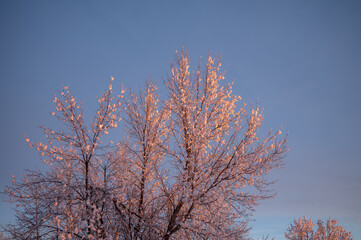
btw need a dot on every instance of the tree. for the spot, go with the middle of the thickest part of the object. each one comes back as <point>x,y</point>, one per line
<point>31,211</point>
<point>302,229</point>
<point>190,166</point>
<point>71,193</point>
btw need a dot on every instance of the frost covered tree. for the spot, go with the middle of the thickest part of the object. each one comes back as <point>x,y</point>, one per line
<point>71,195</point>
<point>302,229</point>
<point>190,165</point>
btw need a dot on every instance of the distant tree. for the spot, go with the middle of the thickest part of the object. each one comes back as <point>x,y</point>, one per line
<point>302,229</point>
<point>190,166</point>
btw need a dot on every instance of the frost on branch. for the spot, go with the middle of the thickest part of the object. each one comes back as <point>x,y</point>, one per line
<point>190,165</point>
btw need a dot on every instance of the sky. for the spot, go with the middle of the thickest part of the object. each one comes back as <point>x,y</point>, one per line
<point>301,59</point>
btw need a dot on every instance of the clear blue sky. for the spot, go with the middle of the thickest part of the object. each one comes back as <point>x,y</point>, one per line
<point>302,59</point>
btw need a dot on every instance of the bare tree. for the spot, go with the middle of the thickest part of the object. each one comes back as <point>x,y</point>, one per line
<point>191,165</point>
<point>302,229</point>
<point>32,211</point>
